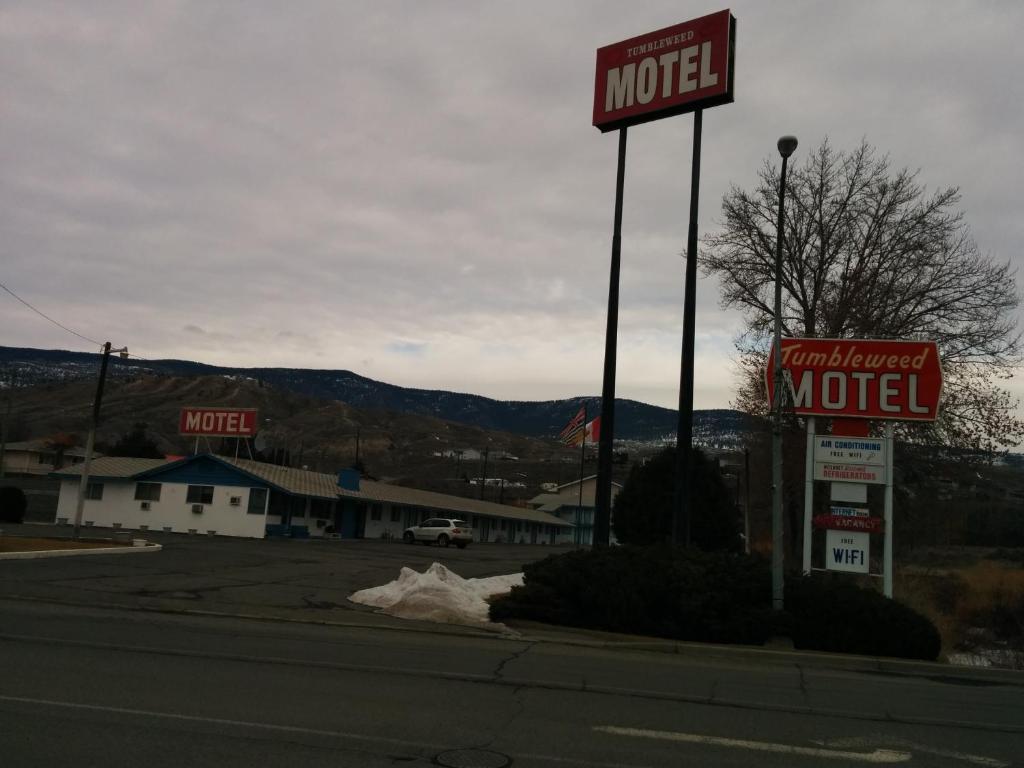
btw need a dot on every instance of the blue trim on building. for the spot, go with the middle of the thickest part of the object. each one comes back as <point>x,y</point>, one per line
<point>246,479</point>
<point>203,470</point>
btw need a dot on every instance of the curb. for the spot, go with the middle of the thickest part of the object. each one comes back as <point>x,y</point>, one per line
<point>812,659</point>
<point>39,554</point>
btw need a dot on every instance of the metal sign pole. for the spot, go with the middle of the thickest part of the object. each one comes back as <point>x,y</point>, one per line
<point>603,501</point>
<point>808,494</point>
<point>684,429</point>
<point>887,557</point>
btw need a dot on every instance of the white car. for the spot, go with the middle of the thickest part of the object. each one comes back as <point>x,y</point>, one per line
<point>443,530</point>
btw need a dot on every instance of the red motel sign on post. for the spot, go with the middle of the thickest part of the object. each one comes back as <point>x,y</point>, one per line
<point>674,70</point>
<point>217,422</point>
<point>861,378</point>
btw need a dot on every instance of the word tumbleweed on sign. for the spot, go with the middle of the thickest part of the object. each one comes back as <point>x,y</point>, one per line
<point>862,378</point>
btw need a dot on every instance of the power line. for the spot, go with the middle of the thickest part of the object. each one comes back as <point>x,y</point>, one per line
<point>62,326</point>
<point>46,316</point>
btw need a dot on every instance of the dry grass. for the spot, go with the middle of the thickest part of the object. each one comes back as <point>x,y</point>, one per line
<point>973,605</point>
<point>29,544</point>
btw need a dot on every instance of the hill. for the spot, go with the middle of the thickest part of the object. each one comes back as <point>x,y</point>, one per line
<point>634,421</point>
<point>299,430</point>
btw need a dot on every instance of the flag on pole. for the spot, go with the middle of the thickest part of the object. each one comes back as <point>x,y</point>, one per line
<point>592,432</point>
<point>573,432</point>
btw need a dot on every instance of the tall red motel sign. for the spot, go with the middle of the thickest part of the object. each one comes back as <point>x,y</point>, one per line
<point>671,71</point>
<point>674,70</point>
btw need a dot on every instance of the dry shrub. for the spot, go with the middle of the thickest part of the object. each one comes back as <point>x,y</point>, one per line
<point>976,607</point>
<point>995,600</point>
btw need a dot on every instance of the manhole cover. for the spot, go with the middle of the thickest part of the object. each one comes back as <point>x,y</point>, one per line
<point>473,758</point>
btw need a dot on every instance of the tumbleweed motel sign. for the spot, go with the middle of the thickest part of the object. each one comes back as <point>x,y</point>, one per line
<point>855,381</point>
<point>683,68</point>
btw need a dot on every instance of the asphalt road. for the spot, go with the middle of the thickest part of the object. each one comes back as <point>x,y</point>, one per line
<point>101,687</point>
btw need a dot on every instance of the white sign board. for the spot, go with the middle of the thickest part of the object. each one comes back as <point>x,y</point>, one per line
<point>837,449</point>
<point>850,492</point>
<point>849,473</point>
<point>847,551</point>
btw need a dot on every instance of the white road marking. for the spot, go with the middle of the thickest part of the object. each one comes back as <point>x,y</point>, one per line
<point>878,756</point>
<point>862,741</point>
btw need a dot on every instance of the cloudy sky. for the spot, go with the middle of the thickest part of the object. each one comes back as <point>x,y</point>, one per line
<point>414,191</point>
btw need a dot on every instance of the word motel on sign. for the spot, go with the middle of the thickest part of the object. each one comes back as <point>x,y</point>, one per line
<point>835,388</point>
<point>675,72</point>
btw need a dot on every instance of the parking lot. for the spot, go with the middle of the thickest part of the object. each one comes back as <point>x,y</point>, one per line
<point>294,579</point>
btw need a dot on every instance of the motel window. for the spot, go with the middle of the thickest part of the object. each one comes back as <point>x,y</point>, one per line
<point>47,458</point>
<point>396,514</point>
<point>147,491</point>
<point>200,494</point>
<point>375,510</point>
<point>94,491</point>
<point>257,501</point>
<point>504,525</point>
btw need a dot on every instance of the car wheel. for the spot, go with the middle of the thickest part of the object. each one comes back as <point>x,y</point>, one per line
<point>443,540</point>
<point>460,544</point>
<point>408,537</point>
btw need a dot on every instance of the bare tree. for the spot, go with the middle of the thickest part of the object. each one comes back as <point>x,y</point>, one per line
<point>869,253</point>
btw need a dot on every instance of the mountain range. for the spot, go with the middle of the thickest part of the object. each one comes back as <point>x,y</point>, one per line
<point>634,421</point>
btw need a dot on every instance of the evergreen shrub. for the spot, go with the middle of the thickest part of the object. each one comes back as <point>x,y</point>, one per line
<point>12,504</point>
<point>718,597</point>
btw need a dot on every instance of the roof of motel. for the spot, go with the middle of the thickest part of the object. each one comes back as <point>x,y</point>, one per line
<point>302,482</point>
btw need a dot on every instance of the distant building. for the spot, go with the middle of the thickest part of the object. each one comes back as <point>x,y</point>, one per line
<point>39,457</point>
<point>565,503</point>
<point>237,497</point>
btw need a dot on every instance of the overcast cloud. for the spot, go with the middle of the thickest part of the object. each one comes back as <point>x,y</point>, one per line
<point>413,190</point>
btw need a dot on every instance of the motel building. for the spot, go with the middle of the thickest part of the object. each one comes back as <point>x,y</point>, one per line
<point>568,504</point>
<point>221,496</point>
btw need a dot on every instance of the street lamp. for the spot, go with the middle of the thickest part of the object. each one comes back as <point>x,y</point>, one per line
<point>786,145</point>
<point>83,486</point>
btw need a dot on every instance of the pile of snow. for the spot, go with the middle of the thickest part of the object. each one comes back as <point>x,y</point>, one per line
<point>438,595</point>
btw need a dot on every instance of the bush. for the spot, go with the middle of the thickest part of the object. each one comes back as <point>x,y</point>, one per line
<point>643,509</point>
<point>663,591</point>
<point>832,615</point>
<point>12,504</point>
<point>720,597</point>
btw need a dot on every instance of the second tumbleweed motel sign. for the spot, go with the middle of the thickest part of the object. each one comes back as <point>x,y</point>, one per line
<point>678,69</point>
<point>863,379</point>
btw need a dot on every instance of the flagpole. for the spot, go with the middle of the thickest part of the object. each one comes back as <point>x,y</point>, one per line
<point>583,457</point>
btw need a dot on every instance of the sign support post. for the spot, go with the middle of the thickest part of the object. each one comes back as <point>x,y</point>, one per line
<point>603,499</point>
<point>887,555</point>
<point>808,494</point>
<point>684,430</point>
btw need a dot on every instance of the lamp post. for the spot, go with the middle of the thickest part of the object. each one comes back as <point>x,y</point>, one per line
<point>786,145</point>
<point>83,486</point>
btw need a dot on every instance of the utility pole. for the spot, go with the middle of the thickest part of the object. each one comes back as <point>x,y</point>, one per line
<point>3,429</point>
<point>91,440</point>
<point>483,475</point>
<point>746,505</point>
